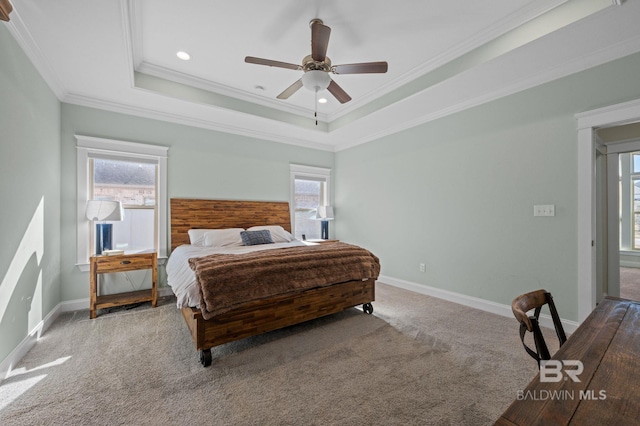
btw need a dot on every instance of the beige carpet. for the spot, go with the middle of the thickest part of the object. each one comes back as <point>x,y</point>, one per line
<point>417,361</point>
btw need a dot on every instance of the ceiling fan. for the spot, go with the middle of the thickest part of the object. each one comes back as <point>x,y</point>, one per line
<point>317,66</point>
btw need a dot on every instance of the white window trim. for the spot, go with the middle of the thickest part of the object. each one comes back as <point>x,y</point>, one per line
<point>88,146</point>
<point>298,170</point>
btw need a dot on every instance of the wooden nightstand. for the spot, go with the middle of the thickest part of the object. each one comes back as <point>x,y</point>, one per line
<point>122,263</point>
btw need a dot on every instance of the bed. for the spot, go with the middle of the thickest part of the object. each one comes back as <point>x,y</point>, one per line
<point>196,273</point>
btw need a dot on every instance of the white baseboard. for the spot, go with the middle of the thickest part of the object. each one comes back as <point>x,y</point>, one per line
<point>473,302</point>
<point>28,342</point>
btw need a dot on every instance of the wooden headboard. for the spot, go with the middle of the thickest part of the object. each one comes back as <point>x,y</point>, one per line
<point>189,213</point>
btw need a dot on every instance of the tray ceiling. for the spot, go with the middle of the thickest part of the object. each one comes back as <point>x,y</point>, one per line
<point>443,57</point>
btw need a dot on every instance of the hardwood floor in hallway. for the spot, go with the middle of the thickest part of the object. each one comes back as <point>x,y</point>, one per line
<point>630,283</point>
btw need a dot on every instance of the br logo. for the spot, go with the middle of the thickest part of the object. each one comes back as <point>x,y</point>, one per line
<point>555,371</point>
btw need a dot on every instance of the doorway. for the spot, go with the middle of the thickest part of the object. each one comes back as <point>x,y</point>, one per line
<point>618,211</point>
<point>588,123</point>
<point>629,214</point>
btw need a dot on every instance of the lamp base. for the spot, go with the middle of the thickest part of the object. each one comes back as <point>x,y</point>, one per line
<point>103,237</point>
<point>324,229</point>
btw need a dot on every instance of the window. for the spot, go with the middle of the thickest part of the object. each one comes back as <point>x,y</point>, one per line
<point>134,184</point>
<point>310,188</point>
<point>132,173</point>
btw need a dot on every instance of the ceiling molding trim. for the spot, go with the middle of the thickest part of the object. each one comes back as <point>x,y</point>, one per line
<point>209,86</point>
<point>602,56</point>
<point>25,40</point>
<point>565,69</point>
<point>525,14</point>
<point>130,46</point>
<point>510,22</point>
<point>133,28</point>
<point>131,23</point>
<point>134,45</point>
<point>80,100</point>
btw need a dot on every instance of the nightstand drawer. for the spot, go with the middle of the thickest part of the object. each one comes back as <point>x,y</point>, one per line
<point>124,263</point>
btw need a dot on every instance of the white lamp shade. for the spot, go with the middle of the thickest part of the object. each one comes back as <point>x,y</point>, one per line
<point>105,210</point>
<point>324,213</point>
<point>316,80</point>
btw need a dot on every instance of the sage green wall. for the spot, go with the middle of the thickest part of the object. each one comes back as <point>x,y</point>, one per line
<point>29,194</point>
<point>458,193</point>
<point>202,163</point>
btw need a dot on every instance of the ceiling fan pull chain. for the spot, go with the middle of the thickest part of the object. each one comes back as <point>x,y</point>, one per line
<point>315,114</point>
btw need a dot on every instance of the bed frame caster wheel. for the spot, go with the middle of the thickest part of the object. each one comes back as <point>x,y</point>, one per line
<point>367,308</point>
<point>205,357</point>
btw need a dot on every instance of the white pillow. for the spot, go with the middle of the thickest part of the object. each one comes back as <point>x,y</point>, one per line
<point>196,236</point>
<point>278,233</point>
<point>223,237</point>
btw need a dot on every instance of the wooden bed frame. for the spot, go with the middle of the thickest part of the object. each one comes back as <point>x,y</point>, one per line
<point>265,315</point>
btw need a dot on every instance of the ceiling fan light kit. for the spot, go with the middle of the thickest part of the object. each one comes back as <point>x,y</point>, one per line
<point>317,66</point>
<point>316,80</point>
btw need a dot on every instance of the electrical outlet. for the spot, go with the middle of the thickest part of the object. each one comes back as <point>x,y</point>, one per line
<point>423,267</point>
<point>544,210</point>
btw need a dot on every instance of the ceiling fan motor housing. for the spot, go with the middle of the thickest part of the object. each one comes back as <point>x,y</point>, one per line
<point>308,64</point>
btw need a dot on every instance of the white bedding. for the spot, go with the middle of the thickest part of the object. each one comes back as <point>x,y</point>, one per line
<point>182,279</point>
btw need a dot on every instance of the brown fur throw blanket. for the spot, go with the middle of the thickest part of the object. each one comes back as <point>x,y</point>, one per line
<point>226,281</point>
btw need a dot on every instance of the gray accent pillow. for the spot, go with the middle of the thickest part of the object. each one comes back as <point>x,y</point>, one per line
<point>252,238</point>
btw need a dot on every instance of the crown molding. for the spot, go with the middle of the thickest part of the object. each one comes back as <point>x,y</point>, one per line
<point>583,63</point>
<point>529,12</point>
<point>510,22</point>
<point>210,86</point>
<point>263,134</point>
<point>133,30</point>
<point>130,14</point>
<point>27,43</point>
<point>132,42</point>
<point>338,144</point>
<point>264,128</point>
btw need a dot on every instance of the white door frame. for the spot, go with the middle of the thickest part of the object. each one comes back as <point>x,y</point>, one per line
<point>588,123</point>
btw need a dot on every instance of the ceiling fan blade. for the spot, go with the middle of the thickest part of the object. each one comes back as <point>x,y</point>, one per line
<point>319,40</point>
<point>362,68</point>
<point>337,91</point>
<point>290,90</point>
<point>269,62</point>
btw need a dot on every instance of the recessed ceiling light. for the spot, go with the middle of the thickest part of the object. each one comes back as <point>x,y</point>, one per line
<point>322,100</point>
<point>183,55</point>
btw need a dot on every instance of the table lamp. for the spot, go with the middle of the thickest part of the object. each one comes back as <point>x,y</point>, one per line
<point>102,210</point>
<point>324,214</point>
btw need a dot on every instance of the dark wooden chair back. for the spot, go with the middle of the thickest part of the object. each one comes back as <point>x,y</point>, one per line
<point>536,300</point>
